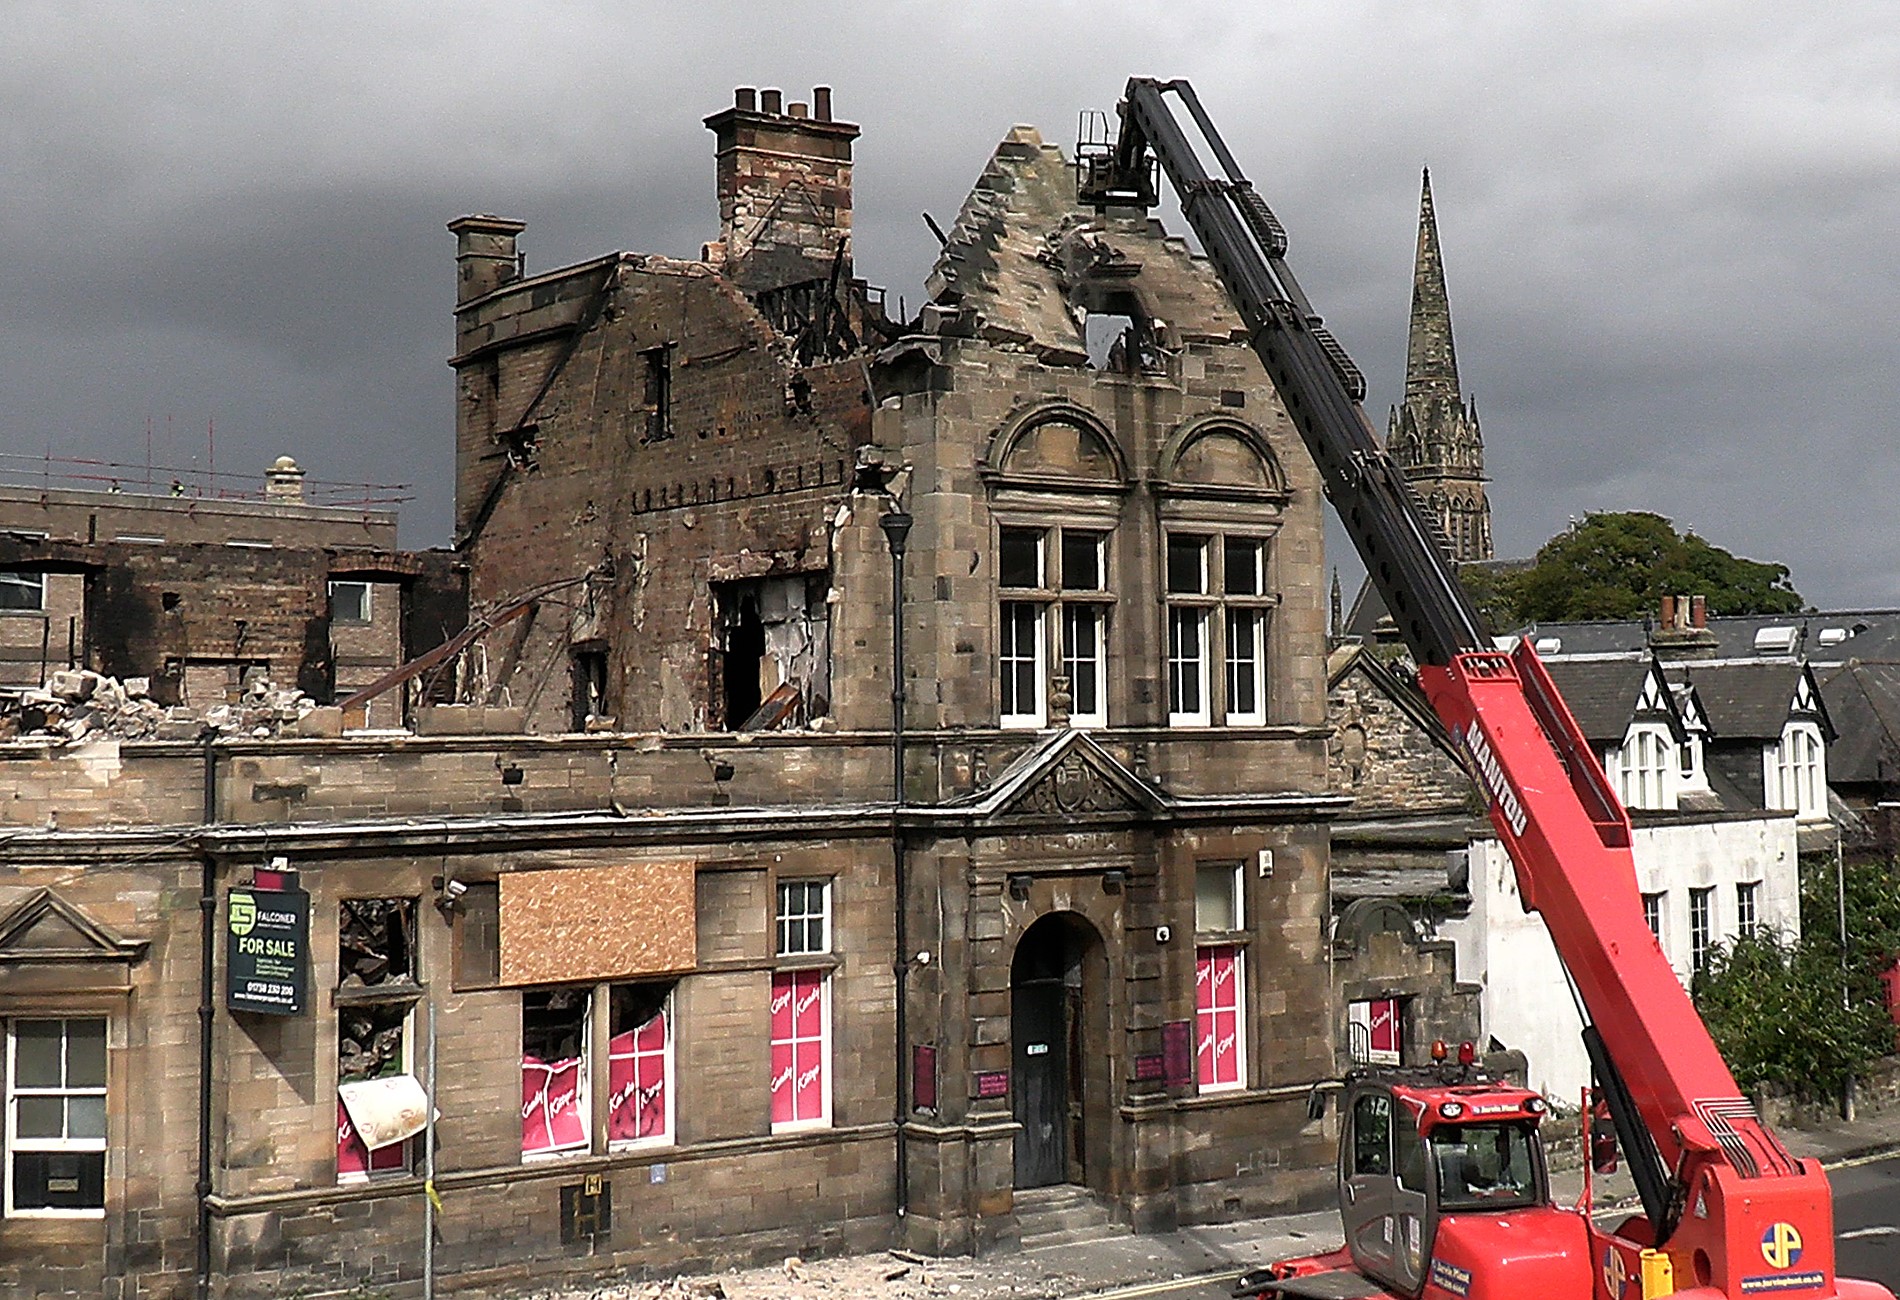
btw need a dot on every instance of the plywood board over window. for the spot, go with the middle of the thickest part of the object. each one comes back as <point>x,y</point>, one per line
<point>597,923</point>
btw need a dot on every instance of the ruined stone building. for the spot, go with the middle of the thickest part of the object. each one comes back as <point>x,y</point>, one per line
<point>195,593</point>
<point>703,986</point>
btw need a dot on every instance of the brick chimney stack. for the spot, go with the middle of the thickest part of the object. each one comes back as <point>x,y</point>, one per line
<point>784,182</point>
<point>1683,631</point>
<point>486,256</point>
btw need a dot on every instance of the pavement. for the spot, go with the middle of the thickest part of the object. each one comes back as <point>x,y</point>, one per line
<point>1188,1262</point>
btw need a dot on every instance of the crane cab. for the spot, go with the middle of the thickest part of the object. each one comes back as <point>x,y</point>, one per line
<point>1439,1169</point>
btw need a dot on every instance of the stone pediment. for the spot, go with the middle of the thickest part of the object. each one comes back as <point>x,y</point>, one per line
<point>1068,775</point>
<point>43,929</point>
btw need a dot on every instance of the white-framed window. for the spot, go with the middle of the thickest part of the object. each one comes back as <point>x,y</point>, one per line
<point>556,1099</point>
<point>23,591</point>
<point>1653,913</point>
<point>1219,905</point>
<point>639,1066</point>
<point>1701,926</point>
<point>1053,610</point>
<point>1019,656</point>
<point>801,1049</point>
<point>349,602</point>
<point>1747,906</point>
<point>804,917</point>
<point>56,1118</point>
<point>1795,778</point>
<point>1246,666</point>
<point>1643,767</point>
<point>1220,1061</point>
<point>1219,614</point>
<point>1219,973</point>
<point>1374,1029</point>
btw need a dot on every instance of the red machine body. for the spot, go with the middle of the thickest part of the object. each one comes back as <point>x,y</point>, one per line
<point>1438,1201</point>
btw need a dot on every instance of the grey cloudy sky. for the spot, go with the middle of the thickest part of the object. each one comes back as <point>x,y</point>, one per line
<point>1668,227</point>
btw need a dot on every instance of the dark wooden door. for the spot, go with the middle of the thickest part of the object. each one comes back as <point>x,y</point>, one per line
<point>1039,1025</point>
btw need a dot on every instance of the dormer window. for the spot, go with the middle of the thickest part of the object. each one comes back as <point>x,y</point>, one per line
<point>1794,775</point>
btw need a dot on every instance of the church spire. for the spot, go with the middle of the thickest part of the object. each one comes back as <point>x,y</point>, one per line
<point>1434,435</point>
<point>1431,362</point>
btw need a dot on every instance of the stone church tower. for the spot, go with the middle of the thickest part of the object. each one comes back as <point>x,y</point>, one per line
<point>1433,435</point>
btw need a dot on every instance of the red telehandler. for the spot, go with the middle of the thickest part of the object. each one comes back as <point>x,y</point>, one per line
<point>1442,1185</point>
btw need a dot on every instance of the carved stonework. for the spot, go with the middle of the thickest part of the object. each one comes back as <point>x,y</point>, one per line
<point>1073,785</point>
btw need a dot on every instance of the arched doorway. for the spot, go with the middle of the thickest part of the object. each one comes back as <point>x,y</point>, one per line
<point>1059,1051</point>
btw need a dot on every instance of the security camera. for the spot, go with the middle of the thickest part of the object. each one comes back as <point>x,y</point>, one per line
<point>453,889</point>
<point>923,957</point>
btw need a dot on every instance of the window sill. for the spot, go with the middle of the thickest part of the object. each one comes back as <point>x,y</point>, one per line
<point>555,1157</point>
<point>800,1126</point>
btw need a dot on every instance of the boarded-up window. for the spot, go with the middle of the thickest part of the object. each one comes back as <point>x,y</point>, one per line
<point>597,923</point>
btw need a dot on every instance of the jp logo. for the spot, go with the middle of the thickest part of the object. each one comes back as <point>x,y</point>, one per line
<point>1781,1245</point>
<point>243,914</point>
<point>1615,1273</point>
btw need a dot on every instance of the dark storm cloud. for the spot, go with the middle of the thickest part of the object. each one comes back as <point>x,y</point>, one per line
<point>1666,228</point>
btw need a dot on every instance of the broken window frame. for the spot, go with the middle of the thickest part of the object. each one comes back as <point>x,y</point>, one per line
<point>813,689</point>
<point>22,593</point>
<point>395,992</point>
<point>581,1103</point>
<point>66,1145</point>
<point>363,610</point>
<point>657,394</point>
<point>641,1056</point>
<point>588,674</point>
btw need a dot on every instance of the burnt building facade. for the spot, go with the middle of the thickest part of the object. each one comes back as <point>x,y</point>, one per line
<point>195,593</point>
<point>722,964</point>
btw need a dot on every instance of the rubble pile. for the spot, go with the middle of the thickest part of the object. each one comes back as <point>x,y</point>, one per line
<point>78,704</point>
<point>893,1275</point>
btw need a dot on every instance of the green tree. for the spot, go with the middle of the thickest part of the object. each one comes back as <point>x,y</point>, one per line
<point>1773,1004</point>
<point>1620,565</point>
<point>1788,1011</point>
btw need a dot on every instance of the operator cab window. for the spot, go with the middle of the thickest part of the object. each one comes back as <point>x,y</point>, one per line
<point>1484,1166</point>
<point>1372,1135</point>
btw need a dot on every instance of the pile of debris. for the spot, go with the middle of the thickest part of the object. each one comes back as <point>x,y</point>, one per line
<point>78,704</point>
<point>892,1275</point>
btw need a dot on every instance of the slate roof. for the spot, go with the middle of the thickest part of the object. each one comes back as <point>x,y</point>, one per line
<point>1864,702</point>
<point>1747,700</point>
<point>1871,634</point>
<point>1602,693</point>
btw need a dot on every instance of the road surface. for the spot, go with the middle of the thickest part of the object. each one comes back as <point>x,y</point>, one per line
<point>1866,1221</point>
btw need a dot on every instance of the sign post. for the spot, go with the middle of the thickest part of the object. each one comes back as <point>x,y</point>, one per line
<point>267,946</point>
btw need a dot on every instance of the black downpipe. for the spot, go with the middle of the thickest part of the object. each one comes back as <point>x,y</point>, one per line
<point>207,994</point>
<point>896,525</point>
<point>1646,1168</point>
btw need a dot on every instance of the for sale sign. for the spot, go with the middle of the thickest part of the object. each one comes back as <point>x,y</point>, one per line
<point>267,950</point>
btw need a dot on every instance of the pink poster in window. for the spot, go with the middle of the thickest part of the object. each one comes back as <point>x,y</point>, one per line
<point>798,1047</point>
<point>1385,1025</point>
<point>1217,1016</point>
<point>636,1079</point>
<point>551,1118</point>
<point>353,1158</point>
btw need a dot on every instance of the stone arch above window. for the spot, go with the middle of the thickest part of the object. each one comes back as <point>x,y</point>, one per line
<point>1222,456</point>
<point>1058,443</point>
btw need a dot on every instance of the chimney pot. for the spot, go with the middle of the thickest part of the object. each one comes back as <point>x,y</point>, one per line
<point>797,109</point>
<point>1682,612</point>
<point>746,99</point>
<point>1699,611</point>
<point>821,103</point>
<point>1669,613</point>
<point>283,482</point>
<point>771,101</point>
